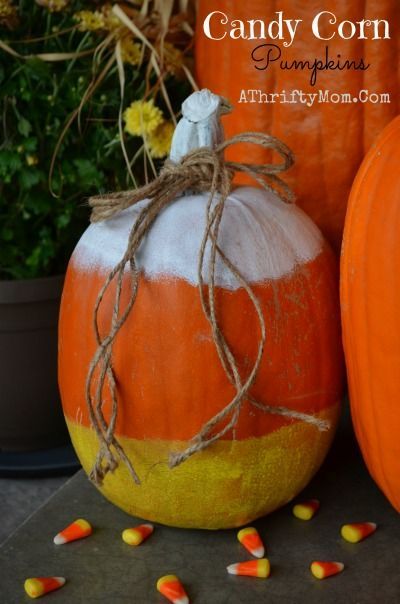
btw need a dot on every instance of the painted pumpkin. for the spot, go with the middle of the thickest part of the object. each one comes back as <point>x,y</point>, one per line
<point>329,139</point>
<point>169,377</point>
<point>370,293</point>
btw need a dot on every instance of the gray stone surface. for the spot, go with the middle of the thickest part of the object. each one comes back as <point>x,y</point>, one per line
<point>102,569</point>
<point>19,497</point>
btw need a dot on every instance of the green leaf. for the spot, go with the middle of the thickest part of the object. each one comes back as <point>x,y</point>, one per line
<point>87,172</point>
<point>43,252</point>
<point>39,202</point>
<point>30,144</point>
<point>7,233</point>
<point>29,177</point>
<point>10,162</point>
<point>63,220</point>
<point>24,127</point>
<point>37,68</point>
<point>26,94</point>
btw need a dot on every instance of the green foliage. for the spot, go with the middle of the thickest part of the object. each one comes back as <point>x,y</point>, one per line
<point>40,221</point>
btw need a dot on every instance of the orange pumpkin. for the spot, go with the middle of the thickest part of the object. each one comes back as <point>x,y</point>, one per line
<point>169,378</point>
<point>328,139</point>
<point>370,295</point>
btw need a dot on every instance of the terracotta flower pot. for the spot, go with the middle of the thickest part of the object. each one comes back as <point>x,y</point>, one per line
<point>31,416</point>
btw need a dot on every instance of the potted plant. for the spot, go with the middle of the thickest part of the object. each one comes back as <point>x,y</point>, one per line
<point>87,97</point>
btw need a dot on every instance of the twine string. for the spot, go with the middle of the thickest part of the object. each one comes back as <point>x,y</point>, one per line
<point>201,170</point>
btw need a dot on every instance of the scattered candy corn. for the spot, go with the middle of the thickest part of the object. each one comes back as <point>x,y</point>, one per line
<point>135,536</point>
<point>170,587</point>
<point>306,510</point>
<point>252,568</point>
<point>358,531</point>
<point>322,570</point>
<point>77,530</point>
<point>251,540</point>
<point>38,586</point>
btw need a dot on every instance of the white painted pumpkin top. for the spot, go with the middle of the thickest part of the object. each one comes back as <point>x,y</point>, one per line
<point>264,237</point>
<point>261,235</point>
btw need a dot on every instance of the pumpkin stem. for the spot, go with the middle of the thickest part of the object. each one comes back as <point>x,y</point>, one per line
<point>200,125</point>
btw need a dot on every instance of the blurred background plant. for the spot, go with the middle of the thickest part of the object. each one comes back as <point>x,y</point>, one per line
<point>89,93</point>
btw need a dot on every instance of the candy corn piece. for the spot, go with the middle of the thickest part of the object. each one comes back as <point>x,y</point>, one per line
<point>322,570</point>
<point>306,510</point>
<point>252,568</point>
<point>38,586</point>
<point>136,535</point>
<point>77,530</point>
<point>358,531</point>
<point>251,540</point>
<point>170,587</point>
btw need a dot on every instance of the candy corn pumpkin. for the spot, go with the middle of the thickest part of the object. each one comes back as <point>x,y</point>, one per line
<point>169,377</point>
<point>370,293</point>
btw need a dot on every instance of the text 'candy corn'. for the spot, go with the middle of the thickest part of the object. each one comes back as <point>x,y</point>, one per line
<point>322,570</point>
<point>358,531</point>
<point>251,540</point>
<point>136,535</point>
<point>170,587</point>
<point>306,510</point>
<point>252,568</point>
<point>39,586</point>
<point>77,530</point>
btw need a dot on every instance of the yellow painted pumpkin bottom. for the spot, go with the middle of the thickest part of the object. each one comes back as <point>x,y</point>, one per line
<point>229,484</point>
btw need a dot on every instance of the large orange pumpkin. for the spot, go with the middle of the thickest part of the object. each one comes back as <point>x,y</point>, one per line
<point>169,377</point>
<point>328,139</point>
<point>370,293</point>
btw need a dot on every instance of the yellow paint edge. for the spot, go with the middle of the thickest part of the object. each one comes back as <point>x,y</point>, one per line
<point>228,485</point>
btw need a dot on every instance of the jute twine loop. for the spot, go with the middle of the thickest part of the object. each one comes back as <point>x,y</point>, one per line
<point>202,170</point>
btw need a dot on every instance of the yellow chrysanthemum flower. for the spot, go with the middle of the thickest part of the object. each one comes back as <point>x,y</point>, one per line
<point>6,8</point>
<point>111,20</point>
<point>131,52</point>
<point>142,118</point>
<point>90,20</point>
<point>54,6</point>
<point>32,160</point>
<point>99,19</point>
<point>173,58</point>
<point>8,14</point>
<point>160,140</point>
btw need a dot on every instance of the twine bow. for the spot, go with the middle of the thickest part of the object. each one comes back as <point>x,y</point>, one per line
<point>202,170</point>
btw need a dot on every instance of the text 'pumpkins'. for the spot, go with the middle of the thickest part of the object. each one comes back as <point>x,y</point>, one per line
<point>329,139</point>
<point>169,378</point>
<point>370,295</point>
